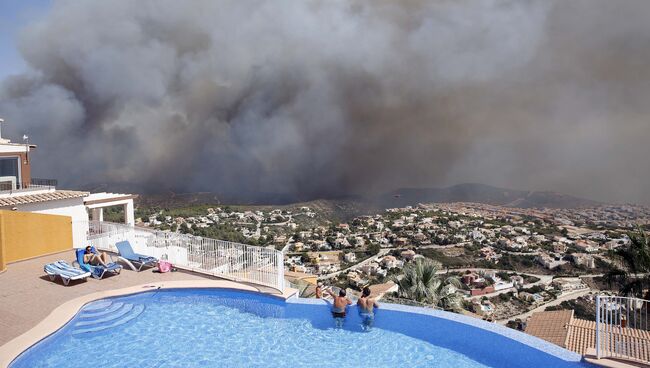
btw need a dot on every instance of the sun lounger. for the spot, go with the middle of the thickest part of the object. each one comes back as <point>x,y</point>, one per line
<point>132,259</point>
<point>66,271</point>
<point>96,271</point>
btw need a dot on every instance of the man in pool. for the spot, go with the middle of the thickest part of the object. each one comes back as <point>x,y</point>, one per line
<point>95,259</point>
<point>366,306</point>
<point>338,309</point>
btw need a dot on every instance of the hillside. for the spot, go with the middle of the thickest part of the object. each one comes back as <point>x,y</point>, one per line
<point>352,206</point>
<point>480,193</point>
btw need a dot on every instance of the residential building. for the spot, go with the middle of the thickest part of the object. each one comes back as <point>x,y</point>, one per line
<point>550,262</point>
<point>588,246</point>
<point>569,284</point>
<point>585,260</point>
<point>517,280</point>
<point>19,191</point>
<point>350,257</point>
<point>408,255</point>
<point>559,247</point>
<point>389,262</point>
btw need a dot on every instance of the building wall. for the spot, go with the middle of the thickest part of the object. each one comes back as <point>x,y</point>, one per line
<point>26,235</point>
<point>25,167</point>
<point>73,207</point>
<point>485,290</point>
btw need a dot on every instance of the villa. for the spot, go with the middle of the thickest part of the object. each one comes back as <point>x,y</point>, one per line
<point>55,219</point>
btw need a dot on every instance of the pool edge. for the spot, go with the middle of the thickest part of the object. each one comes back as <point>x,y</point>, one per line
<point>521,337</point>
<point>66,311</point>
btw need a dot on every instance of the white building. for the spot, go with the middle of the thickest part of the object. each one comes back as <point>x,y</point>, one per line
<point>20,192</point>
<point>476,235</point>
<point>550,262</point>
<point>350,257</point>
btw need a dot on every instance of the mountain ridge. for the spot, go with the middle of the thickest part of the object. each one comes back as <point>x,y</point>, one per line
<point>487,194</point>
<point>466,192</point>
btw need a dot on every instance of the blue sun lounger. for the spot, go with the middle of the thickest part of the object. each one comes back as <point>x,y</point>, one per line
<point>66,271</point>
<point>128,256</point>
<point>96,271</point>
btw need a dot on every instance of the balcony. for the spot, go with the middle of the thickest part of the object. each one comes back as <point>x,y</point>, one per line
<point>622,330</point>
<point>35,184</point>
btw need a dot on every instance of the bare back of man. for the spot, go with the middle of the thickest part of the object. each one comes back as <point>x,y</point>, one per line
<point>339,306</point>
<point>367,306</point>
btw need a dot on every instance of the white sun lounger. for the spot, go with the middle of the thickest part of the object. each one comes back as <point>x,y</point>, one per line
<point>66,271</point>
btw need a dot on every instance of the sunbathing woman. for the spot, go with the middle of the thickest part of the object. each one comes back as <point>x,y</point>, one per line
<point>95,259</point>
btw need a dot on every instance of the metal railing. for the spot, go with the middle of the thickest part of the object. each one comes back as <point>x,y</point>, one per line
<point>622,328</point>
<point>44,182</point>
<point>34,184</point>
<point>232,261</point>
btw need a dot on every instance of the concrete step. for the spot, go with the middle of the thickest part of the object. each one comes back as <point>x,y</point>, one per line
<point>107,317</point>
<point>97,305</point>
<point>133,313</point>
<point>101,312</point>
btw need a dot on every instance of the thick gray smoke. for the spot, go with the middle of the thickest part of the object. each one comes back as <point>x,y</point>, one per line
<point>321,98</point>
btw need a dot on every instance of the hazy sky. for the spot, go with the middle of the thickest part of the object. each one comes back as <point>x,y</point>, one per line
<point>323,98</point>
<point>14,15</point>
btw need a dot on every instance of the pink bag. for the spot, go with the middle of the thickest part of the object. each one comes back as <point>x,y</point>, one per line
<point>164,266</point>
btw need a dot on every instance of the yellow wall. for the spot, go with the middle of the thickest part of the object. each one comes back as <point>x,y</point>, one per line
<point>26,235</point>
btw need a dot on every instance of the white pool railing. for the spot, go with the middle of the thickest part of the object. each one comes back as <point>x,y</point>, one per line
<point>622,328</point>
<point>228,260</point>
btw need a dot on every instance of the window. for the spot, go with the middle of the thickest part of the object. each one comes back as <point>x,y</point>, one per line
<point>9,169</point>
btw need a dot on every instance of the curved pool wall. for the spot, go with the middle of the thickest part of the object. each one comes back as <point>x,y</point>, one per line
<point>489,344</point>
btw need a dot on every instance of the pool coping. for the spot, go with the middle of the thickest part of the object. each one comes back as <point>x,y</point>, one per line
<point>66,311</point>
<point>526,339</point>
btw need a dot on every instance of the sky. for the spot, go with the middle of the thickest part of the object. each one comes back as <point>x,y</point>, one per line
<point>15,14</point>
<point>328,98</point>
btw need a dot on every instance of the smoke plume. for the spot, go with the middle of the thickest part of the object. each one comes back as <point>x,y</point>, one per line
<point>324,98</point>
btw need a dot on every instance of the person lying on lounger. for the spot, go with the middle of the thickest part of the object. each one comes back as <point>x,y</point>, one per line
<point>95,259</point>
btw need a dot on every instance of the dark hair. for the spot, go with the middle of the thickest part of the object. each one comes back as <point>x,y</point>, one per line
<point>366,292</point>
<point>342,292</point>
<point>89,248</point>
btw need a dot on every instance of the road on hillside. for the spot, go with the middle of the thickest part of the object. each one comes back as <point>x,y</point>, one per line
<point>549,278</point>
<point>381,253</point>
<point>543,280</point>
<point>570,296</point>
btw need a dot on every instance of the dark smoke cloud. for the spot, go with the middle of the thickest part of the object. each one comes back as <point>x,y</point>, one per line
<point>322,98</point>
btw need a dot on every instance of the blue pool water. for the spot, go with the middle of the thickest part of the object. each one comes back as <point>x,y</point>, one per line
<point>225,328</point>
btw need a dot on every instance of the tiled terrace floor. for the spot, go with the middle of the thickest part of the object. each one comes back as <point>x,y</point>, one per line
<point>27,295</point>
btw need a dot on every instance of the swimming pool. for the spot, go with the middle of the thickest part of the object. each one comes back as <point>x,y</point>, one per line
<point>228,328</point>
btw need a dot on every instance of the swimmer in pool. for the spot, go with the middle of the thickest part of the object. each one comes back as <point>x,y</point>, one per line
<point>338,309</point>
<point>367,306</point>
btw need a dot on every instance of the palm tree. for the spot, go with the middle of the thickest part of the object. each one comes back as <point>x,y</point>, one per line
<point>632,266</point>
<point>421,283</point>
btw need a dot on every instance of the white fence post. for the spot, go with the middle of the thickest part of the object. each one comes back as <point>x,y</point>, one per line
<point>279,264</point>
<point>598,325</point>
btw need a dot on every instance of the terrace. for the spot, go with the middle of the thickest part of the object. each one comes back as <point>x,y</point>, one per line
<point>29,299</point>
<point>27,296</point>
